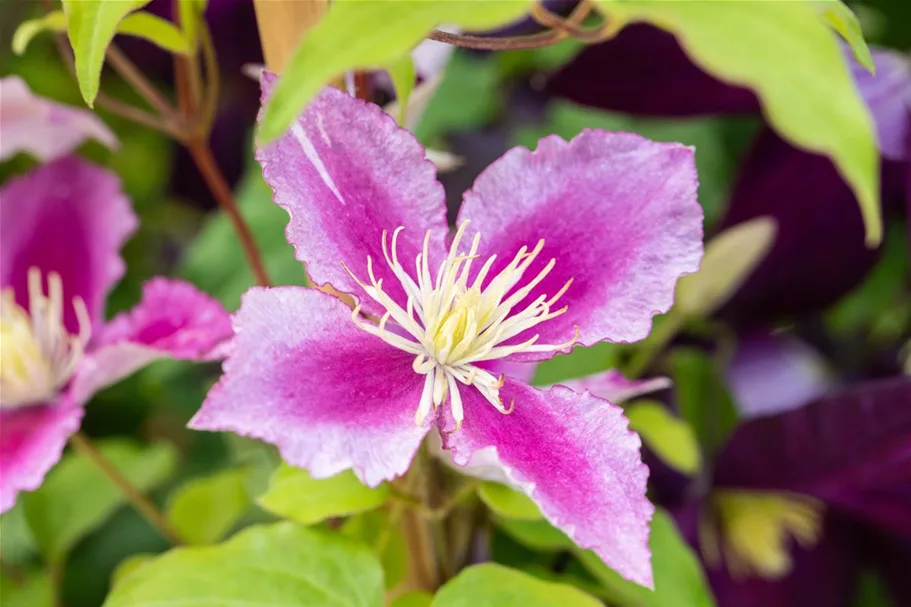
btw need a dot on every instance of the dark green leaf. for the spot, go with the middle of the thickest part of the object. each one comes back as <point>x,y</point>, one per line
<point>702,397</point>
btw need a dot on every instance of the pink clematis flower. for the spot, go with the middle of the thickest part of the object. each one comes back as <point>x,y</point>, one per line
<point>61,229</point>
<point>577,242</point>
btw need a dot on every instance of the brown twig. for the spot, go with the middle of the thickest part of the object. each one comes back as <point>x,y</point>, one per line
<point>143,505</point>
<point>205,161</point>
<point>135,78</point>
<point>213,78</point>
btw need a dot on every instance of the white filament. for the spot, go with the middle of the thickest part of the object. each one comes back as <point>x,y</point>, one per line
<point>37,354</point>
<point>450,325</point>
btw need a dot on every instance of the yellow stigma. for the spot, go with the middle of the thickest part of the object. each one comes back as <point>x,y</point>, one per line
<point>37,354</point>
<point>753,530</point>
<point>450,324</point>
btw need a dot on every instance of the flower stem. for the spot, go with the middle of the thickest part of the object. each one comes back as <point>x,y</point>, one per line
<point>215,179</point>
<point>136,79</point>
<point>140,502</point>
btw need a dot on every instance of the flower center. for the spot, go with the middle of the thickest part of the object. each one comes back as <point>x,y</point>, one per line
<point>451,325</point>
<point>753,530</point>
<point>37,354</point>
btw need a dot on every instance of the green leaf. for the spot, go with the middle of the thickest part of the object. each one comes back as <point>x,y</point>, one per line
<point>679,579</point>
<point>54,21</point>
<point>670,438</point>
<point>265,566</point>
<point>130,565</point>
<point>35,590</point>
<point>376,34</point>
<point>91,26</point>
<point>539,534</point>
<point>843,20</point>
<point>416,598</point>
<point>702,396</point>
<point>388,541</point>
<point>156,30</point>
<point>215,262</point>
<point>204,510</point>
<point>789,57</point>
<point>491,585</point>
<point>728,261</point>
<point>403,78</point>
<point>580,362</point>
<point>191,12</point>
<point>296,495</point>
<point>507,502</point>
<point>76,497</point>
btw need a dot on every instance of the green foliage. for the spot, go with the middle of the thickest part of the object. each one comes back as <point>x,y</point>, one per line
<point>403,78</point>
<point>537,534</point>
<point>702,397</point>
<point>679,579</point>
<point>33,590</point>
<point>670,438</point>
<point>507,502</point>
<point>76,497</point>
<point>129,565</point>
<point>413,599</point>
<point>215,262</point>
<point>295,495</point>
<point>263,566</point>
<point>156,30</point>
<point>319,58</point>
<point>91,25</point>
<point>800,76</point>
<point>54,21</point>
<point>491,585</point>
<point>204,510</point>
<point>843,20</point>
<point>375,529</point>
<point>580,362</point>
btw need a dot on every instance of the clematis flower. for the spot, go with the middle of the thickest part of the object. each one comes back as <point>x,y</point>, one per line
<point>577,242</point>
<point>41,127</point>
<point>819,253</point>
<point>61,228</point>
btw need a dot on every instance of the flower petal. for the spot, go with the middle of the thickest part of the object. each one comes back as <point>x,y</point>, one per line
<point>43,128</point>
<point>643,70</point>
<point>302,376</point>
<point>888,95</point>
<point>575,457</point>
<point>31,442</point>
<point>617,212</point>
<point>68,217</point>
<point>173,320</point>
<point>613,386</point>
<point>345,172</point>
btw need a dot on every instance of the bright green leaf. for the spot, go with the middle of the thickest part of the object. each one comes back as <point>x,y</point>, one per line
<point>376,34</point>
<point>702,396</point>
<point>580,362</point>
<point>403,78</point>
<point>679,579</point>
<point>296,495</point>
<point>156,30</point>
<point>413,599</point>
<point>843,20</point>
<point>491,585</point>
<point>215,262</point>
<point>266,566</point>
<point>35,590</point>
<point>789,57</point>
<point>388,541</point>
<point>539,534</point>
<point>204,510</point>
<point>507,502</point>
<point>76,497</point>
<point>191,12</point>
<point>91,27</point>
<point>728,261</point>
<point>670,438</point>
<point>130,565</point>
<point>54,21</point>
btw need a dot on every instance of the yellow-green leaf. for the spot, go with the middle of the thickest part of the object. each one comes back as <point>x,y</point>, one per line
<point>91,25</point>
<point>669,437</point>
<point>296,495</point>
<point>843,20</point>
<point>369,35</point>
<point>507,502</point>
<point>403,77</point>
<point>156,30</point>
<point>728,261</point>
<point>54,21</point>
<point>786,54</point>
<point>204,510</point>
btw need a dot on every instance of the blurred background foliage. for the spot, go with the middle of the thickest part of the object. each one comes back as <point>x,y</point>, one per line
<point>485,104</point>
